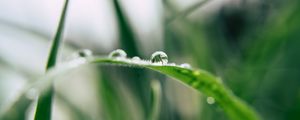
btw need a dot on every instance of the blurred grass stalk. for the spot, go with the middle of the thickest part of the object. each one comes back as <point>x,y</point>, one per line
<point>135,80</point>
<point>200,80</point>
<point>44,106</point>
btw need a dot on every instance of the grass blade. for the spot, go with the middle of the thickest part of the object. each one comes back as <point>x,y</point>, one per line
<point>199,80</point>
<point>57,39</point>
<point>43,111</point>
<point>127,37</point>
<point>136,80</point>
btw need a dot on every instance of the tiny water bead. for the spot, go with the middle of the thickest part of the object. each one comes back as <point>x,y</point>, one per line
<point>136,58</point>
<point>85,53</point>
<point>159,57</point>
<point>210,100</point>
<point>185,65</point>
<point>118,53</point>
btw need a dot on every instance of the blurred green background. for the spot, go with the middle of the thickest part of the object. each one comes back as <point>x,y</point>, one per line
<point>252,45</point>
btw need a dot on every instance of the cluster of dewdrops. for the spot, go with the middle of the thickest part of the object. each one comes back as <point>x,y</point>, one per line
<point>157,58</point>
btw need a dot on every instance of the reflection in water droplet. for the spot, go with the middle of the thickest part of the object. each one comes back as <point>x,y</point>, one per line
<point>185,65</point>
<point>85,53</point>
<point>210,100</point>
<point>159,57</point>
<point>32,93</point>
<point>118,53</point>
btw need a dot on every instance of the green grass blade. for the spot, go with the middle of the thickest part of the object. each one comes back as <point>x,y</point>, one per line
<point>43,110</point>
<point>110,99</point>
<point>127,38</point>
<point>58,38</point>
<point>199,80</point>
<point>136,80</point>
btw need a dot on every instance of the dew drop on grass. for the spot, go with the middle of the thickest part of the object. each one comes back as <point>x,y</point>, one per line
<point>210,100</point>
<point>85,53</point>
<point>118,53</point>
<point>136,58</point>
<point>185,65</point>
<point>159,57</point>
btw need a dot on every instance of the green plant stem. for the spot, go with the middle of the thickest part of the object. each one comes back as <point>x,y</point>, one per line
<point>200,80</point>
<point>43,110</point>
<point>206,83</point>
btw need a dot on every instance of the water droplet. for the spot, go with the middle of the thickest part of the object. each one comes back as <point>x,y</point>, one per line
<point>118,53</point>
<point>159,57</point>
<point>85,53</point>
<point>210,100</point>
<point>185,65</point>
<point>136,58</point>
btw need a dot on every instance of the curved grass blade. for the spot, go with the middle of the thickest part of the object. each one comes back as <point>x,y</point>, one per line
<point>43,110</point>
<point>199,80</point>
<point>58,38</point>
